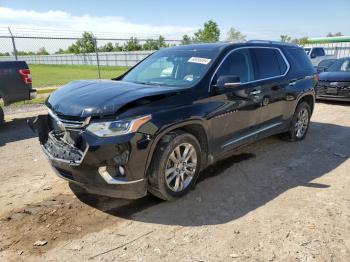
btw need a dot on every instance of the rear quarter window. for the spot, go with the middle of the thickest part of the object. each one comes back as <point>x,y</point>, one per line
<point>300,60</point>
<point>267,63</point>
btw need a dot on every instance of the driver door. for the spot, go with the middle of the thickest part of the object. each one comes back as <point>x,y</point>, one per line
<point>236,117</point>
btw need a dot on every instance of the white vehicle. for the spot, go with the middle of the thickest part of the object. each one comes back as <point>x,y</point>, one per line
<point>317,54</point>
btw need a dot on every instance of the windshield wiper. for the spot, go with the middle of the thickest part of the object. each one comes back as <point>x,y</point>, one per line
<point>148,83</point>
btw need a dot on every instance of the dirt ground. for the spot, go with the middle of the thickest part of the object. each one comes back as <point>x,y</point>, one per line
<point>270,201</point>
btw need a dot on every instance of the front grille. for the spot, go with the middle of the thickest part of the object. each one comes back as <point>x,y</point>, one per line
<point>68,123</point>
<point>328,84</point>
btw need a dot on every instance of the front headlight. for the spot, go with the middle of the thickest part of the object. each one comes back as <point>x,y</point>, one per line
<point>118,127</point>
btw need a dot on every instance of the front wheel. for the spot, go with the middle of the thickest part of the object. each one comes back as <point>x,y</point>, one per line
<point>175,165</point>
<point>300,123</point>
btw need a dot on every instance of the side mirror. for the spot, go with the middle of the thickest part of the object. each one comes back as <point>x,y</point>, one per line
<point>228,81</point>
<point>313,55</point>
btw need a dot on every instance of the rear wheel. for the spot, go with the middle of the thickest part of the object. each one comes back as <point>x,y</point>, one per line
<point>2,118</point>
<point>300,123</point>
<point>175,166</point>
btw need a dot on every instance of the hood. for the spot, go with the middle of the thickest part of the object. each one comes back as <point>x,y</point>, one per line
<point>100,97</point>
<point>335,76</point>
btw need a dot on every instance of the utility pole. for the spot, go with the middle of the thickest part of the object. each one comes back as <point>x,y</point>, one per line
<point>13,44</point>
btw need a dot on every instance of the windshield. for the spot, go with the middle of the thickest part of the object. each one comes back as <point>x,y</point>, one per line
<point>340,65</point>
<point>172,67</point>
<point>326,63</point>
<point>307,50</point>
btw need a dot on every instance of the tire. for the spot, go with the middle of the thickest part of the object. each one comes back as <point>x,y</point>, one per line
<point>2,117</point>
<point>300,123</point>
<point>175,165</point>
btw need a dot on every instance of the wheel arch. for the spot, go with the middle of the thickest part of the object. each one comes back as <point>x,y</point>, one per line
<point>309,99</point>
<point>194,127</point>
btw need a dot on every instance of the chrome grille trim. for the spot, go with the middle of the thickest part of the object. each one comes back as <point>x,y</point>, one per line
<point>73,124</point>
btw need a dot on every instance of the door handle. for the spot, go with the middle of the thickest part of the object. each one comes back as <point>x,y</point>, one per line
<point>255,92</point>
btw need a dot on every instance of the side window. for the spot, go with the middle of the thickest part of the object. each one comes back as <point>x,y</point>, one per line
<point>313,52</point>
<point>268,63</point>
<point>238,63</point>
<point>320,52</point>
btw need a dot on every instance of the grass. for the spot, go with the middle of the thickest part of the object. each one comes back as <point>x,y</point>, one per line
<point>37,100</point>
<point>57,75</point>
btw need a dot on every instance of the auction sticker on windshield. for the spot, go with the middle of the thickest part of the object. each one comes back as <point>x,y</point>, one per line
<point>199,60</point>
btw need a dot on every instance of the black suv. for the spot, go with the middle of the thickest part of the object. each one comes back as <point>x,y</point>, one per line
<point>154,128</point>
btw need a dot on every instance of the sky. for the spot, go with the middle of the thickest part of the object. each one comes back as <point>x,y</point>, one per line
<point>264,19</point>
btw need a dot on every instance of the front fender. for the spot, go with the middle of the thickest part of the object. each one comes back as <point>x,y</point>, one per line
<point>161,132</point>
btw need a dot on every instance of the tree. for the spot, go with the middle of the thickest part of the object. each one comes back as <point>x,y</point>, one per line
<point>234,35</point>
<point>285,38</point>
<point>86,44</point>
<point>132,45</point>
<point>161,42</point>
<point>336,34</point>
<point>210,32</point>
<point>107,47</point>
<point>150,44</point>
<point>301,41</point>
<point>186,40</point>
<point>42,51</point>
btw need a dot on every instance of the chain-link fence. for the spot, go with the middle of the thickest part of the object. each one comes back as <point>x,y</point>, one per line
<point>56,60</point>
<point>57,57</point>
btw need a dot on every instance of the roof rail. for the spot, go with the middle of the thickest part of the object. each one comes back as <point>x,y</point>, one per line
<point>270,42</point>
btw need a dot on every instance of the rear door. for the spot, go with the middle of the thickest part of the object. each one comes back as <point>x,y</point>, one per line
<point>271,67</point>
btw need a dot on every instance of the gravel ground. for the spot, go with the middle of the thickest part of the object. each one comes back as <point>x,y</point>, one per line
<point>270,201</point>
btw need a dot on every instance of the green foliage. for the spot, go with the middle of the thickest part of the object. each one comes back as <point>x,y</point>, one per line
<point>107,47</point>
<point>210,33</point>
<point>5,54</point>
<point>152,44</point>
<point>186,40</point>
<point>285,38</point>
<point>86,44</point>
<point>132,45</point>
<point>42,51</point>
<point>300,41</point>
<point>234,35</point>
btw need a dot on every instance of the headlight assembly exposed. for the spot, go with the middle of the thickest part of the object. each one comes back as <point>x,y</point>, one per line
<point>118,127</point>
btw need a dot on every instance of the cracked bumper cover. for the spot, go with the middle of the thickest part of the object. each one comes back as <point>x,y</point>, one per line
<point>94,164</point>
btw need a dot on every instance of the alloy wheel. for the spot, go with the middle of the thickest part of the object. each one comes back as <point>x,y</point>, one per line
<point>302,123</point>
<point>181,167</point>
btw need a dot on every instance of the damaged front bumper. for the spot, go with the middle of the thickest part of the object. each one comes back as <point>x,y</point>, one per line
<point>113,166</point>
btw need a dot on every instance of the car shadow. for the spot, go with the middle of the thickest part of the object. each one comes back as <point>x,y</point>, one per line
<point>247,180</point>
<point>14,130</point>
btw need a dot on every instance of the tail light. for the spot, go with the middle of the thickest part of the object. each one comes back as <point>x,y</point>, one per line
<point>26,76</point>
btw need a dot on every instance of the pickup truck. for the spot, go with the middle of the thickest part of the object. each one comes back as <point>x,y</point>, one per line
<point>317,54</point>
<point>15,83</point>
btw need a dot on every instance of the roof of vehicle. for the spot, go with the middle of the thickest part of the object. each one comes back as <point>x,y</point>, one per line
<point>223,45</point>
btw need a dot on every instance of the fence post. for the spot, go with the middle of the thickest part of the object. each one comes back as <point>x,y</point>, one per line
<point>13,44</point>
<point>97,59</point>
